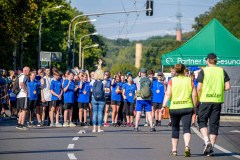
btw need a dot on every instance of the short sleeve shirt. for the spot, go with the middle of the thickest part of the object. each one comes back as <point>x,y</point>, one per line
<point>22,79</point>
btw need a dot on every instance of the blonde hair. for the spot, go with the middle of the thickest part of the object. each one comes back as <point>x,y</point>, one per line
<point>99,74</point>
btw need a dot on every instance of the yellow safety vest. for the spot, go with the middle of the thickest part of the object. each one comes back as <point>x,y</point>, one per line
<point>181,93</point>
<point>213,85</point>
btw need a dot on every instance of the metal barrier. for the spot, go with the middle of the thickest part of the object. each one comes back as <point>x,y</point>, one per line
<point>231,103</point>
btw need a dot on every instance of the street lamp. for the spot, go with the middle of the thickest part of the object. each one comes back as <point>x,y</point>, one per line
<point>40,34</point>
<point>80,46</point>
<point>94,45</point>
<point>74,35</point>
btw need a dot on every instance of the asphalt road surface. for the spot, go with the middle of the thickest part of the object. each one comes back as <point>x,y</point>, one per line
<point>116,143</point>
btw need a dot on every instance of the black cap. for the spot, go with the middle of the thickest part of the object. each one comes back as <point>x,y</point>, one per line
<point>143,70</point>
<point>160,74</point>
<point>211,56</point>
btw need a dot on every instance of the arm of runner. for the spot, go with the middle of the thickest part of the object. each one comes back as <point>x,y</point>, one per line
<point>167,96</point>
<point>66,88</point>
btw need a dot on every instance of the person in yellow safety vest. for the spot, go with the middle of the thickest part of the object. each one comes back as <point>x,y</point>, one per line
<point>183,97</point>
<point>212,81</point>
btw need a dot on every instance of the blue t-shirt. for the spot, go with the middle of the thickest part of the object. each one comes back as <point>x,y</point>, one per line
<point>84,92</point>
<point>114,95</point>
<point>12,96</point>
<point>157,91</point>
<point>129,92</point>
<point>56,86</point>
<point>33,86</point>
<point>69,94</point>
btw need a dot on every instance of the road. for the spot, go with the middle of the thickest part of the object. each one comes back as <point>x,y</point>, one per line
<point>116,143</point>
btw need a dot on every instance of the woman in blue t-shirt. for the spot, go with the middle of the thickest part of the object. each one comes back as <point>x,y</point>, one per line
<point>129,90</point>
<point>158,92</point>
<point>116,98</point>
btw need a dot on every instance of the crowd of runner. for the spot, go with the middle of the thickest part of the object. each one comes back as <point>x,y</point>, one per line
<point>50,95</point>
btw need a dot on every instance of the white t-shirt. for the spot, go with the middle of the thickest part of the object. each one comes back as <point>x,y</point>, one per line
<point>46,88</point>
<point>23,79</point>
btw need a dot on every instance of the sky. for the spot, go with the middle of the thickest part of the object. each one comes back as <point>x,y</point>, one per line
<point>138,26</point>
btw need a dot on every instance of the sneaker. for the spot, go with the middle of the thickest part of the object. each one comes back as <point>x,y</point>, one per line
<point>135,129</point>
<point>132,125</point>
<point>39,124</point>
<point>90,124</point>
<point>159,124</point>
<point>169,124</point>
<point>5,115</point>
<point>65,124</point>
<point>100,130</point>
<point>152,129</point>
<point>146,124</point>
<point>30,124</point>
<point>58,125</point>
<point>187,152</point>
<point>207,148</point>
<point>80,124</point>
<point>19,126</point>
<point>85,124</point>
<point>123,125</point>
<point>24,127</point>
<point>173,153</point>
<point>211,153</point>
<point>106,125</point>
<point>71,124</point>
<point>94,130</point>
<point>52,125</point>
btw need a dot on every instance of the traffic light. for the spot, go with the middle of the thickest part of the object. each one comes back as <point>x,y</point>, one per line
<point>149,7</point>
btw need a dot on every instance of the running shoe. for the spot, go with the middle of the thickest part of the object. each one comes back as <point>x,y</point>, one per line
<point>106,125</point>
<point>5,115</point>
<point>52,125</point>
<point>39,124</point>
<point>100,130</point>
<point>24,127</point>
<point>207,149</point>
<point>19,126</point>
<point>65,124</point>
<point>152,129</point>
<point>146,124</point>
<point>173,153</point>
<point>187,152</point>
<point>159,124</point>
<point>71,124</point>
<point>135,129</point>
<point>58,125</point>
<point>30,125</point>
<point>132,125</point>
<point>211,153</point>
<point>169,124</point>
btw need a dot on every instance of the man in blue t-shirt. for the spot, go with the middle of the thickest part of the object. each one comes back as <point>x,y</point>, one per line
<point>158,92</point>
<point>68,88</point>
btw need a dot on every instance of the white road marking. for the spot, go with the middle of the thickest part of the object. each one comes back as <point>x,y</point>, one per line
<point>70,146</point>
<point>75,138</point>
<point>72,156</point>
<point>235,131</point>
<point>81,132</point>
<point>217,146</point>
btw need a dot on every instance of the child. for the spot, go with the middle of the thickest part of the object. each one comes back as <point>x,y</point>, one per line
<point>56,90</point>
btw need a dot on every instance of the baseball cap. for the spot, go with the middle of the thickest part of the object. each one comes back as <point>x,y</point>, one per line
<point>211,56</point>
<point>143,70</point>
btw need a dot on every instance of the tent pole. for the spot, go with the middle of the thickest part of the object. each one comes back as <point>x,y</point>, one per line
<point>162,68</point>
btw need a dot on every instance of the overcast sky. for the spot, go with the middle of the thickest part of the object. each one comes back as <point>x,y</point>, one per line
<point>136,26</point>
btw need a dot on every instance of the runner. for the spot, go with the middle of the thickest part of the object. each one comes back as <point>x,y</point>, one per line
<point>69,88</point>
<point>12,101</point>
<point>212,82</point>
<point>129,90</point>
<point>46,95</point>
<point>56,90</point>
<point>158,91</point>
<point>116,98</point>
<point>107,89</point>
<point>83,99</point>
<point>22,98</point>
<point>182,93</point>
<point>144,99</point>
<point>32,85</point>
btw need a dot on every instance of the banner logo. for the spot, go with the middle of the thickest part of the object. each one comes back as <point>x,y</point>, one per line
<point>169,60</point>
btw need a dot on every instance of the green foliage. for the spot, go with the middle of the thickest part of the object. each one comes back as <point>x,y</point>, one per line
<point>227,12</point>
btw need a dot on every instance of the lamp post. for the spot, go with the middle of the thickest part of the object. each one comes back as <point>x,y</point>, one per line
<point>80,46</point>
<point>40,35</point>
<point>95,45</point>
<point>74,35</point>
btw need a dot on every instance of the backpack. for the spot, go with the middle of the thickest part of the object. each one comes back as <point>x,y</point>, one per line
<point>16,88</point>
<point>145,88</point>
<point>98,90</point>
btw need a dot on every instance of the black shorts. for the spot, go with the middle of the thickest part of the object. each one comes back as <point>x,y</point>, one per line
<point>157,105</point>
<point>115,102</point>
<point>56,103</point>
<point>83,105</point>
<point>108,100</point>
<point>68,106</point>
<point>128,108</point>
<point>13,104</point>
<point>39,102</point>
<point>47,104</point>
<point>22,103</point>
<point>32,104</point>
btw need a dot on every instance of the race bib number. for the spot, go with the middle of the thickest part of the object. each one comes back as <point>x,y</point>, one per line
<point>158,91</point>
<point>107,90</point>
<point>130,94</point>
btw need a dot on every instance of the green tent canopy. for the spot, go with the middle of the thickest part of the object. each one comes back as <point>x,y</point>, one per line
<point>213,38</point>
